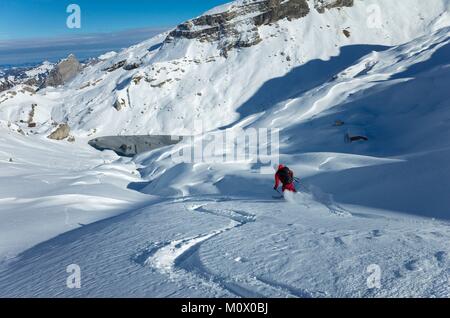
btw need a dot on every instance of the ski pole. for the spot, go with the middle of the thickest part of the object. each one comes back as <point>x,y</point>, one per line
<point>301,184</point>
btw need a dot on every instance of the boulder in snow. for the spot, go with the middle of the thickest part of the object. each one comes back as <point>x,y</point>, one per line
<point>119,104</point>
<point>62,132</point>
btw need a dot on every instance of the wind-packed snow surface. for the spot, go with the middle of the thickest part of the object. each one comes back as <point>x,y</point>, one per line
<point>211,229</point>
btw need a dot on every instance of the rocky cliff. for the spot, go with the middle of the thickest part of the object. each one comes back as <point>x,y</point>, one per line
<point>64,71</point>
<point>238,26</point>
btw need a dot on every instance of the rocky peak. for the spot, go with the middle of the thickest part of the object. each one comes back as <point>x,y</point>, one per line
<point>43,75</point>
<point>238,25</point>
<point>64,71</point>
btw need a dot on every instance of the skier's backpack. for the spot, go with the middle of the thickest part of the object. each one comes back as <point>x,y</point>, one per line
<point>285,175</point>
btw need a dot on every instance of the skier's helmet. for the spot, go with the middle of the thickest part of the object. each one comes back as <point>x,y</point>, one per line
<point>277,166</point>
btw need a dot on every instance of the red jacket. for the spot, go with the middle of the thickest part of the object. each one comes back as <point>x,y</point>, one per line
<point>289,186</point>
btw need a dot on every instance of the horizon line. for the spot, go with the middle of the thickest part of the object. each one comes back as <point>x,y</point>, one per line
<point>84,46</point>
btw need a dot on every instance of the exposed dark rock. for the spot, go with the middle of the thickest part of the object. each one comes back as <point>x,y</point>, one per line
<point>223,27</point>
<point>119,104</point>
<point>31,115</point>
<point>131,66</point>
<point>115,66</point>
<point>137,79</point>
<point>5,85</point>
<point>322,5</point>
<point>227,27</point>
<point>353,138</point>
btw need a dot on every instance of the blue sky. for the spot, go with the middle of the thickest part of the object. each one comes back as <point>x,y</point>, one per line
<point>47,18</point>
<point>42,24</point>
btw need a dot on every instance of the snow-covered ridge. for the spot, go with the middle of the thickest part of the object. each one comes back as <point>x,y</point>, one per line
<point>319,4</point>
<point>237,25</point>
<point>163,87</point>
<point>42,75</point>
<point>30,76</point>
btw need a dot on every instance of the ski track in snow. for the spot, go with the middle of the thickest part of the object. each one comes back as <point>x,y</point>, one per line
<point>180,261</point>
<point>323,198</point>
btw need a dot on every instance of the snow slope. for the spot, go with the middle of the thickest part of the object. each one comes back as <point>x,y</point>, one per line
<point>209,229</point>
<point>182,80</point>
<point>50,188</point>
<point>397,98</point>
<point>237,248</point>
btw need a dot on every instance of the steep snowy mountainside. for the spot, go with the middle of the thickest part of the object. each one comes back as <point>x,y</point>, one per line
<point>161,86</point>
<point>95,85</point>
<point>396,98</point>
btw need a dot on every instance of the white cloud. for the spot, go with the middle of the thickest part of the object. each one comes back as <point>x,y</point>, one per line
<point>83,45</point>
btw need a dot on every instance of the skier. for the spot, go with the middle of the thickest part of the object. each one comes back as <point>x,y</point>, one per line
<point>286,177</point>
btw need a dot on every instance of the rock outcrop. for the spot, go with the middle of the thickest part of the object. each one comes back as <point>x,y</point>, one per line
<point>5,85</point>
<point>131,65</point>
<point>322,5</point>
<point>62,132</point>
<point>64,71</point>
<point>238,26</point>
<point>119,104</point>
<point>115,66</point>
